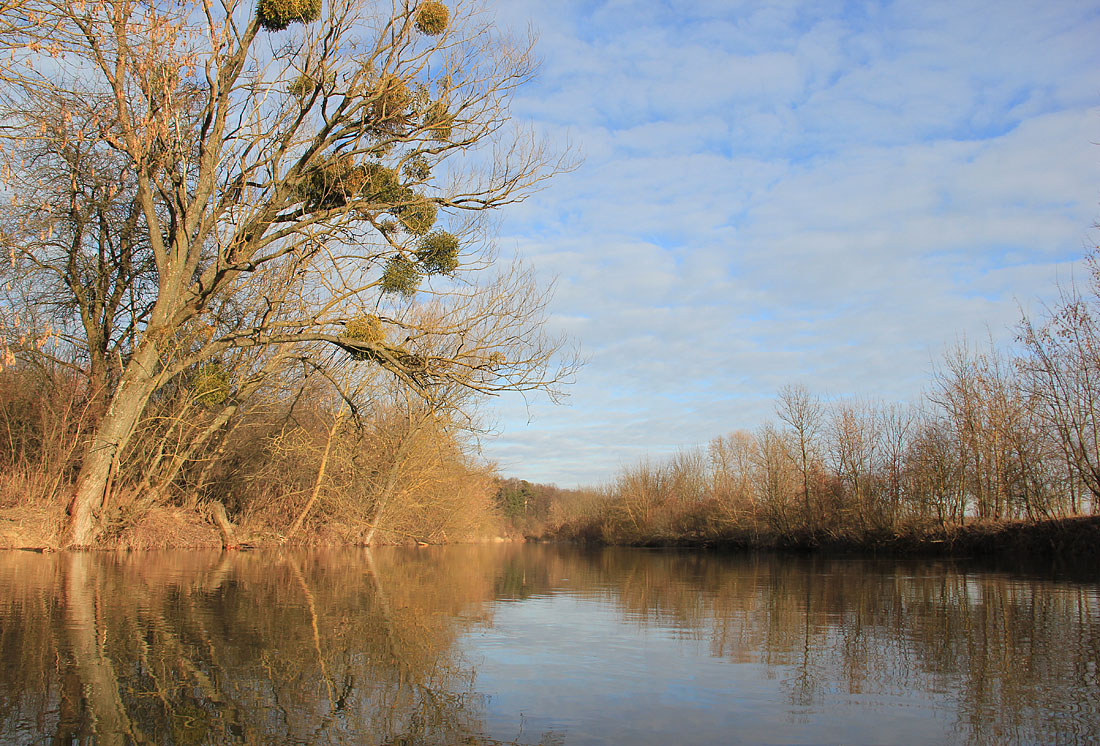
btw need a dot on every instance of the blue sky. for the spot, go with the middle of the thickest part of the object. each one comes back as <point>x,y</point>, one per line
<point>789,192</point>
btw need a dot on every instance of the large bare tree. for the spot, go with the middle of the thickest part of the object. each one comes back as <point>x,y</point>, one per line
<point>178,168</point>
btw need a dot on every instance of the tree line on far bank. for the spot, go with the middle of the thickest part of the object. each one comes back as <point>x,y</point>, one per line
<point>1000,435</point>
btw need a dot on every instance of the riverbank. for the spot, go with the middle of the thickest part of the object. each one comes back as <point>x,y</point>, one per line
<point>1077,537</point>
<point>41,528</point>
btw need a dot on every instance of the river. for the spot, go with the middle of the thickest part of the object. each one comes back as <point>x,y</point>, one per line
<point>538,644</point>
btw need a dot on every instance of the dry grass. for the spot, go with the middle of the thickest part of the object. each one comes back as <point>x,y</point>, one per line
<point>168,528</point>
<point>30,515</point>
<point>30,526</point>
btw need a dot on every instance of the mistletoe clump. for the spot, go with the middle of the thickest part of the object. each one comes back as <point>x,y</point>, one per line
<point>365,328</point>
<point>337,181</point>
<point>380,185</point>
<point>417,168</point>
<point>304,85</point>
<point>390,100</point>
<point>417,216</point>
<point>437,253</point>
<point>431,17</point>
<point>329,184</point>
<point>439,121</point>
<point>400,276</point>
<point>210,385</point>
<point>276,15</point>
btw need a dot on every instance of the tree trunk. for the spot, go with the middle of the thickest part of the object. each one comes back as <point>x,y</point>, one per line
<point>114,430</point>
<point>391,481</point>
<point>319,482</point>
<point>225,528</point>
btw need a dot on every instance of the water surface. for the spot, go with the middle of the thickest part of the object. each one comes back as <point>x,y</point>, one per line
<point>540,644</point>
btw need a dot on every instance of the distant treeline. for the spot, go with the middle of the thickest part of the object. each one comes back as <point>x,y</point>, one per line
<point>1000,435</point>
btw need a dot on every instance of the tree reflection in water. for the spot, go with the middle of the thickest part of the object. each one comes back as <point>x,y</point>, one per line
<point>361,648</point>
<point>250,648</point>
<point>1017,654</point>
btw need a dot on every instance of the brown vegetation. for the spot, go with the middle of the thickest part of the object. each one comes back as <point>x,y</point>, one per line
<point>297,467</point>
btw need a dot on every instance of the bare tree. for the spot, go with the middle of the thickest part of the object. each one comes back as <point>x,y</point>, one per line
<point>936,474</point>
<point>981,395</point>
<point>730,459</point>
<point>853,443</point>
<point>776,483</point>
<point>348,149</point>
<point>803,412</point>
<point>897,423</point>
<point>1062,370</point>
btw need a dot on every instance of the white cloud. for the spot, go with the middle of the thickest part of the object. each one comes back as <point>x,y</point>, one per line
<point>790,192</point>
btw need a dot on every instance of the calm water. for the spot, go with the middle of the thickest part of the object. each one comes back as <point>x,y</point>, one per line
<point>540,645</point>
